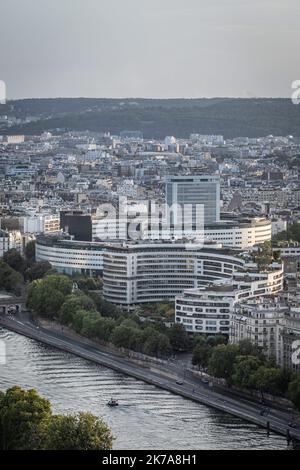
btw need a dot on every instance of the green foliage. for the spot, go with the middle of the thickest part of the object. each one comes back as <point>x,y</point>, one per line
<point>30,251</point>
<point>104,328</point>
<point>27,423</point>
<point>88,283</point>
<point>38,270</point>
<point>201,355</point>
<point>72,303</point>
<point>267,379</point>
<point>294,391</point>
<point>244,368</point>
<point>221,361</point>
<point>249,349</point>
<point>203,347</point>
<point>178,337</point>
<point>158,118</point>
<point>81,431</point>
<point>45,296</point>
<point>14,260</point>
<point>22,417</point>
<point>265,255</point>
<point>10,280</point>
<point>291,234</point>
<point>106,309</point>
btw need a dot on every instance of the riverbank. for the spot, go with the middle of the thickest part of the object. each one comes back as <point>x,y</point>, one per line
<point>191,388</point>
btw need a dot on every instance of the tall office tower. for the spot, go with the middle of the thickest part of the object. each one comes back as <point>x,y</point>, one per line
<point>198,189</point>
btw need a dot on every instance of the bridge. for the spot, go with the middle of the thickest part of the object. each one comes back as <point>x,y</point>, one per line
<point>9,304</point>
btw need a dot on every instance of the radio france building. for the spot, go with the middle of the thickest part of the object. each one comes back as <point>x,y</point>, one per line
<point>144,272</point>
<point>68,256</point>
<point>140,272</point>
<point>241,234</point>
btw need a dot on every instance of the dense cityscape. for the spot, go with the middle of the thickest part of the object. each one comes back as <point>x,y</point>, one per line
<point>149,229</point>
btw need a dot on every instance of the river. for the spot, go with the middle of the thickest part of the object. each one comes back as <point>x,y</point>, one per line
<point>146,418</point>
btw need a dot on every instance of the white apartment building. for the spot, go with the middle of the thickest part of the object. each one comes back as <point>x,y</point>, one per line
<point>40,223</point>
<point>209,309</point>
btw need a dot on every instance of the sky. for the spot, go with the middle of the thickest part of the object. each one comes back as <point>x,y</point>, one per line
<point>149,48</point>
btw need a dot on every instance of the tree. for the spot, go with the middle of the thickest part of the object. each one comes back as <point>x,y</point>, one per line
<point>22,417</point>
<point>247,348</point>
<point>214,340</point>
<point>38,270</point>
<point>122,336</point>
<point>201,355</point>
<point>82,431</point>
<point>266,380</point>
<point>221,361</point>
<point>155,343</point>
<point>243,369</point>
<point>14,260</point>
<point>106,309</point>
<point>178,337</point>
<point>10,280</point>
<point>104,328</point>
<point>46,296</point>
<point>30,251</point>
<point>27,423</point>
<point>294,391</point>
<point>89,323</point>
<point>72,303</point>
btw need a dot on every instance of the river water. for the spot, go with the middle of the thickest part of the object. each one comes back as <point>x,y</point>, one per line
<point>146,418</point>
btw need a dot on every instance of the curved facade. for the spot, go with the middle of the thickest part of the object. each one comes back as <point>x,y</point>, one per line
<point>242,235</point>
<point>70,257</point>
<point>209,309</point>
<point>155,272</point>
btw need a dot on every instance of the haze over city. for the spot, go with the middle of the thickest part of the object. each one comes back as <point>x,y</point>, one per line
<point>162,49</point>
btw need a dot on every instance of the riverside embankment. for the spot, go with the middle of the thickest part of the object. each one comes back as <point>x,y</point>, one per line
<point>191,388</point>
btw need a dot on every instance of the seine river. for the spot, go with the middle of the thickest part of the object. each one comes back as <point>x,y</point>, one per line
<point>147,417</point>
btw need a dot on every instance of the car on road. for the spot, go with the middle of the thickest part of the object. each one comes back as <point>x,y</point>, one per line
<point>179,382</point>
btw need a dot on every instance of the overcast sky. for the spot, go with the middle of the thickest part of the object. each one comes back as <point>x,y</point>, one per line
<point>149,48</point>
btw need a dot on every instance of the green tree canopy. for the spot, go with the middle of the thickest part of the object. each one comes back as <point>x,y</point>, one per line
<point>30,251</point>
<point>22,417</point>
<point>221,361</point>
<point>10,280</point>
<point>81,431</point>
<point>38,270</point>
<point>294,391</point>
<point>14,260</point>
<point>178,337</point>
<point>46,296</point>
<point>27,423</point>
<point>244,367</point>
